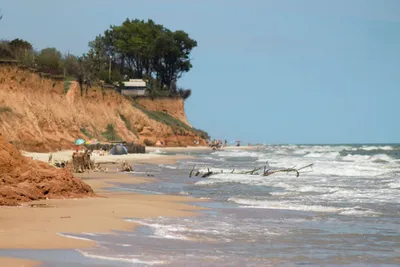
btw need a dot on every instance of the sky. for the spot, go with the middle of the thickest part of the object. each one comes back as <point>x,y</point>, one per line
<point>287,71</point>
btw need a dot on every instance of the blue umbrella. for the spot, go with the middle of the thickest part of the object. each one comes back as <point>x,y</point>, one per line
<point>79,142</point>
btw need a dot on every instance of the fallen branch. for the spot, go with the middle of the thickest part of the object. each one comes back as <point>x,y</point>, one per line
<point>194,166</point>
<point>266,172</point>
<point>126,167</point>
<point>297,171</point>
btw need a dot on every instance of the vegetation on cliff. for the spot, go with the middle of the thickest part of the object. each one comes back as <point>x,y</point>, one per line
<point>135,49</point>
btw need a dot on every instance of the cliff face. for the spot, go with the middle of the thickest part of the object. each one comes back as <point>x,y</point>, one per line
<point>39,114</point>
<point>173,106</point>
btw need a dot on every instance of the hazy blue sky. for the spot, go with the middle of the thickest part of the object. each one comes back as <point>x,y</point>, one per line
<point>317,71</point>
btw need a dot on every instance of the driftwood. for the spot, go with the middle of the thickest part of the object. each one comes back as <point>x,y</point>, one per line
<point>126,167</point>
<point>266,172</point>
<point>81,162</point>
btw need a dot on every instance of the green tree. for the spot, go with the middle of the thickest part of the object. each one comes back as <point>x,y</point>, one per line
<point>49,60</point>
<point>173,56</point>
<point>23,51</point>
<point>19,44</point>
<point>143,49</point>
<point>6,52</point>
<point>71,65</point>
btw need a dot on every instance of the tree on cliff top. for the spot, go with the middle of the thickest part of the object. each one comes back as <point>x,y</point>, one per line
<point>49,61</point>
<point>143,49</point>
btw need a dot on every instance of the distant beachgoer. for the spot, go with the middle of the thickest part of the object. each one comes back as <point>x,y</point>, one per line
<point>225,143</point>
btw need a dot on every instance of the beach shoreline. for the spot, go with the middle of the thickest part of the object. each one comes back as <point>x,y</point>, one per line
<point>46,224</point>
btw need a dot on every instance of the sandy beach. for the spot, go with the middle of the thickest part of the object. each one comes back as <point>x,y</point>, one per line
<point>40,224</point>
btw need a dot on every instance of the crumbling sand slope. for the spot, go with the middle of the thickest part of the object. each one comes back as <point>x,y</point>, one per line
<point>173,106</point>
<point>37,115</point>
<point>23,179</point>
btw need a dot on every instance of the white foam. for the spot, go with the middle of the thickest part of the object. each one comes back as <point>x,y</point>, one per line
<point>124,245</point>
<point>264,204</point>
<point>394,185</point>
<point>128,260</point>
<point>74,237</point>
<point>163,231</point>
<point>325,155</point>
<point>91,234</point>
<point>236,154</point>
<point>157,151</point>
<point>369,148</point>
<point>168,166</point>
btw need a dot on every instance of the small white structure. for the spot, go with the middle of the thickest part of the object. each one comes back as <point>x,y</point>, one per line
<point>134,87</point>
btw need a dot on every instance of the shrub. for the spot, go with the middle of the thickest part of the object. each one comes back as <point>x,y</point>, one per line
<point>49,61</point>
<point>85,132</point>
<point>110,134</point>
<point>4,109</point>
<point>173,122</point>
<point>6,52</point>
<point>184,93</point>
<point>128,124</point>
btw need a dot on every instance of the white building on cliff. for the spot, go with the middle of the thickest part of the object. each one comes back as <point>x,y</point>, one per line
<point>134,87</point>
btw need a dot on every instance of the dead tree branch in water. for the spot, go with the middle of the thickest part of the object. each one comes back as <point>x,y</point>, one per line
<point>266,172</point>
<point>297,171</point>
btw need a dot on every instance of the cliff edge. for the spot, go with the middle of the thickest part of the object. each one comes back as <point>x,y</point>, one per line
<point>40,114</point>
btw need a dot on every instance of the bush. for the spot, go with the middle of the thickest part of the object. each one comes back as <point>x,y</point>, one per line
<point>128,124</point>
<point>4,109</point>
<point>49,61</point>
<point>184,93</point>
<point>6,52</point>
<point>173,122</point>
<point>71,65</point>
<point>110,134</point>
<point>85,132</point>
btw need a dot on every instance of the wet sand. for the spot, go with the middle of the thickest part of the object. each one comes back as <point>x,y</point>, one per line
<point>40,224</point>
<point>11,262</point>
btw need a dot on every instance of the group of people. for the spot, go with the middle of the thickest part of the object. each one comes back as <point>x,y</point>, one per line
<point>218,143</point>
<point>161,143</point>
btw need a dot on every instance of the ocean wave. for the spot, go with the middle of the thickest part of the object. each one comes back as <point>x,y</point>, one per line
<point>325,155</point>
<point>394,185</point>
<point>157,152</point>
<point>371,148</point>
<point>74,237</point>
<point>128,258</point>
<point>284,205</point>
<point>368,158</point>
<point>265,204</point>
<point>163,231</point>
<point>168,166</point>
<point>236,154</point>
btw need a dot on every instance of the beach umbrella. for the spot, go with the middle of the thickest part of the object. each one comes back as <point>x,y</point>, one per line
<point>118,150</point>
<point>79,142</point>
<point>92,142</point>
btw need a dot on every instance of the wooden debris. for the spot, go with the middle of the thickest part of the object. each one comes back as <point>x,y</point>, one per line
<point>81,162</point>
<point>126,167</point>
<point>266,172</point>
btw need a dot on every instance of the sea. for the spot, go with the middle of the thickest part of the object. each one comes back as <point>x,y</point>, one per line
<point>344,210</point>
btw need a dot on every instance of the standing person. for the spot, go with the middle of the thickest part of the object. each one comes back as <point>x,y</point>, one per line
<point>225,143</point>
